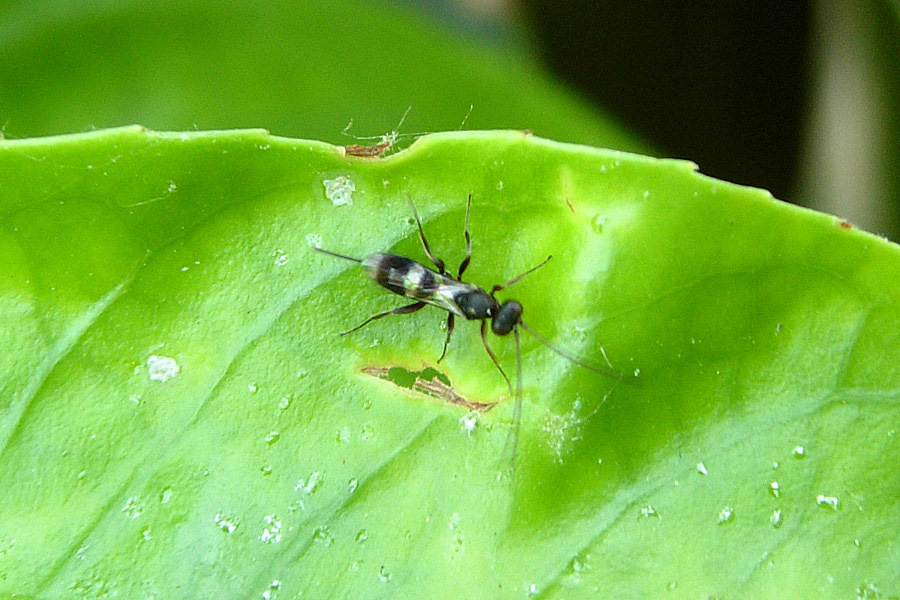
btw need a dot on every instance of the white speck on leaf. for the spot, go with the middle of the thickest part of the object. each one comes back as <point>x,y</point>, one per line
<point>162,368</point>
<point>831,502</point>
<point>271,590</point>
<point>271,533</point>
<point>726,515</point>
<point>132,508</point>
<point>339,190</point>
<point>226,524</point>
<point>310,484</point>
<point>469,422</point>
<point>777,518</point>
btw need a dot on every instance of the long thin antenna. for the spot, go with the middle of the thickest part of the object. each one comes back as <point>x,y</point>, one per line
<point>335,254</point>
<point>517,409</point>
<point>512,439</point>
<point>516,279</point>
<point>608,372</point>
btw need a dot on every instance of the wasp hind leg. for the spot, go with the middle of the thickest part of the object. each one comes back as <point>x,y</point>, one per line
<point>403,310</point>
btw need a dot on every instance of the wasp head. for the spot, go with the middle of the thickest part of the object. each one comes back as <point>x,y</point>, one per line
<point>506,318</point>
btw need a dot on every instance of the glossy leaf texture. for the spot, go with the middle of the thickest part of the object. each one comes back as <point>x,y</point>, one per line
<point>180,418</point>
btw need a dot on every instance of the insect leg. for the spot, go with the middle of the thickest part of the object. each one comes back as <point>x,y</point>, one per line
<point>493,356</point>
<point>437,262</point>
<point>403,310</point>
<point>450,321</point>
<point>515,279</point>
<point>465,262</point>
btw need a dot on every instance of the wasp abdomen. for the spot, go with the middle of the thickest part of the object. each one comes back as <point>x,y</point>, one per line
<point>401,275</point>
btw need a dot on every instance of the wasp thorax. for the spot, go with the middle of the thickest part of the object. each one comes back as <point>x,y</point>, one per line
<point>476,305</point>
<point>506,319</point>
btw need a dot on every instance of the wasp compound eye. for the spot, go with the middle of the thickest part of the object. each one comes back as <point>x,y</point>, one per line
<point>506,318</point>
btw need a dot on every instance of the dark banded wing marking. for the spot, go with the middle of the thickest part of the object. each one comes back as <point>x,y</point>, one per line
<point>406,277</point>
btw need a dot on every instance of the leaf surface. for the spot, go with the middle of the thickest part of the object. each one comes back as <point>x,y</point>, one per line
<point>179,417</point>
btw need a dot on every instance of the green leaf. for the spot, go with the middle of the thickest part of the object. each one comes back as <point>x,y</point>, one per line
<point>753,455</point>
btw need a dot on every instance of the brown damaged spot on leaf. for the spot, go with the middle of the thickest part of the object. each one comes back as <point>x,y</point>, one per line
<point>429,382</point>
<point>374,151</point>
<point>378,149</point>
<point>569,202</point>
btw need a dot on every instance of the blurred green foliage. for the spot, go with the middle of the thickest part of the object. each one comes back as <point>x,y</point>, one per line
<point>303,69</point>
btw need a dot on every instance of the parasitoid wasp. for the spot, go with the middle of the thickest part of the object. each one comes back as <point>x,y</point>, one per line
<point>408,278</point>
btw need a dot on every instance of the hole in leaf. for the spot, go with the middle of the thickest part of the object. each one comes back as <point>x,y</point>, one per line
<point>428,381</point>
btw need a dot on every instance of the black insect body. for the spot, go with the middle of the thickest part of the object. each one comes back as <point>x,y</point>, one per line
<point>411,279</point>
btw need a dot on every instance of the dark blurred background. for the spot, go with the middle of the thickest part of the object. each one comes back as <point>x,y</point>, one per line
<point>724,83</point>
<point>801,98</point>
